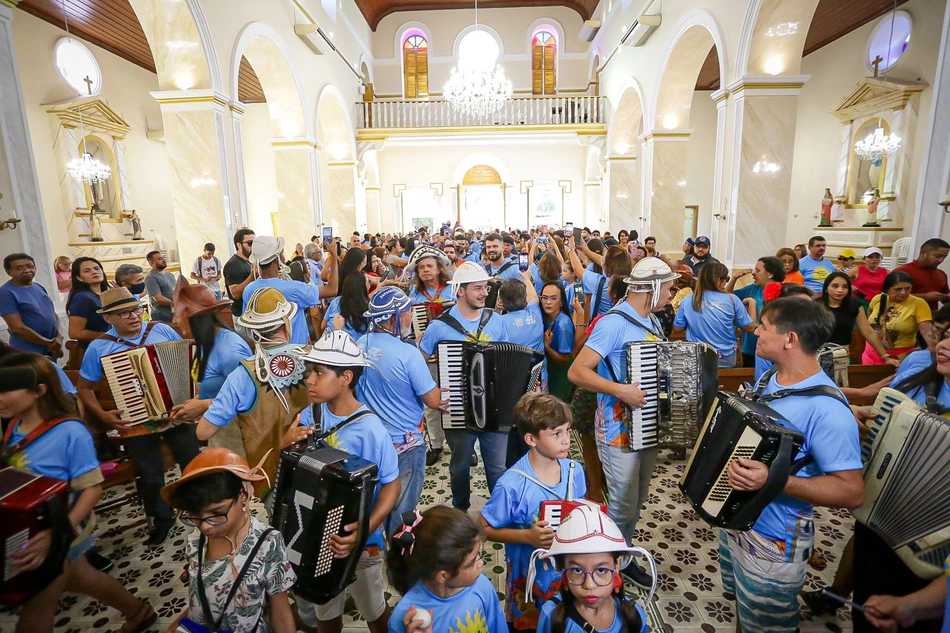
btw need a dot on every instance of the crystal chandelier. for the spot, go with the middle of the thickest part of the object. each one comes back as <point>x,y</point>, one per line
<point>878,143</point>
<point>478,86</point>
<point>84,169</point>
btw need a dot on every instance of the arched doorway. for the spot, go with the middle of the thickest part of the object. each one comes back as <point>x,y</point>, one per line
<point>482,199</point>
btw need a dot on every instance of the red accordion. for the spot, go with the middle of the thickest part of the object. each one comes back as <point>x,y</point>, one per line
<point>30,504</point>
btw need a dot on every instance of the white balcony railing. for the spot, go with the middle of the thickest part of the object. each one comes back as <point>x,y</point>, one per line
<point>520,111</point>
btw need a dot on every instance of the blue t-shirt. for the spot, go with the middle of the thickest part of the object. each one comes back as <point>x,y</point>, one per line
<point>473,257</point>
<point>526,327</point>
<point>516,503</point>
<point>64,381</point>
<point>228,352</point>
<point>315,269</point>
<point>494,330</point>
<point>65,452</point>
<point>237,395</point>
<point>569,292</point>
<point>511,272</point>
<point>366,438</point>
<point>814,272</point>
<point>716,323</point>
<point>914,363</point>
<point>334,309</point>
<point>85,304</point>
<point>445,296</point>
<point>761,366</point>
<point>562,341</point>
<point>608,339</point>
<point>36,310</point>
<point>831,438</point>
<point>398,370</point>
<point>91,368</point>
<point>591,281</point>
<point>304,295</point>
<point>754,292</point>
<point>536,278</point>
<point>547,611</point>
<point>474,609</point>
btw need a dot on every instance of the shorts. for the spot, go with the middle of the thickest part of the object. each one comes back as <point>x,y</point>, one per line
<point>367,592</point>
<point>766,591</point>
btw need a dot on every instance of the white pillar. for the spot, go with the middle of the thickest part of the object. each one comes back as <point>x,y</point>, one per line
<point>237,116</point>
<point>721,99</point>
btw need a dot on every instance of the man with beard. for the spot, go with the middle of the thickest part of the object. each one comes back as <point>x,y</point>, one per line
<point>451,251</point>
<point>237,270</point>
<point>499,266</point>
<point>160,287</point>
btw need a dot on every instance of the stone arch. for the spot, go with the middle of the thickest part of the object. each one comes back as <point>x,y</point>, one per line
<point>688,46</point>
<point>481,27</point>
<point>342,196</point>
<point>273,64</point>
<point>334,127</point>
<point>626,120</point>
<point>473,160</point>
<point>538,25</point>
<point>407,29</point>
<point>760,52</point>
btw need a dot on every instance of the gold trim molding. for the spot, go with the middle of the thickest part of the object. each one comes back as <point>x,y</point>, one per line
<point>382,134</point>
<point>870,96</point>
<point>96,117</point>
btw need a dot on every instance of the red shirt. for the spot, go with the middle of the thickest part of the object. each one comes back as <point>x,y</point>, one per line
<point>926,280</point>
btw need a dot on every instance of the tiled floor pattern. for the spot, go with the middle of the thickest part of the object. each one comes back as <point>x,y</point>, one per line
<point>689,598</point>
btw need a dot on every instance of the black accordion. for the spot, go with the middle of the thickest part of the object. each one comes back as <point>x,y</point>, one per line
<point>906,481</point>
<point>680,380</point>
<point>485,381</point>
<point>318,491</point>
<point>739,428</point>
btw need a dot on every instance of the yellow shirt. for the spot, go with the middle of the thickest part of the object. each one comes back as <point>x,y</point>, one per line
<point>902,320</point>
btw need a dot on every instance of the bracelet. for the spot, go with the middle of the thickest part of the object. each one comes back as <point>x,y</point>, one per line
<point>580,324</point>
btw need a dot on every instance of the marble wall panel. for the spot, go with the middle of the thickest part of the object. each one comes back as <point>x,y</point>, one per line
<point>592,202</point>
<point>175,44</point>
<point>779,37</point>
<point>339,199</point>
<point>668,199</point>
<point>374,223</point>
<point>764,176</point>
<point>295,193</point>
<point>624,200</point>
<point>197,194</point>
<point>278,84</point>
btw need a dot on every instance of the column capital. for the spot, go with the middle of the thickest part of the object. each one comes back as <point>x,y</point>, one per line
<point>10,3</point>
<point>204,99</point>
<point>719,97</point>
<point>238,108</point>
<point>294,143</point>
<point>768,85</point>
<point>661,135</point>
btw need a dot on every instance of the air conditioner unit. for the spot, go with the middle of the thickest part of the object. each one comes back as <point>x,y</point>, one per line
<point>641,30</point>
<point>314,37</point>
<point>589,30</point>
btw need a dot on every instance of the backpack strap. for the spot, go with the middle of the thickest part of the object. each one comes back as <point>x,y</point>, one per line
<point>503,268</point>
<point>202,595</point>
<point>599,297</point>
<point>9,451</point>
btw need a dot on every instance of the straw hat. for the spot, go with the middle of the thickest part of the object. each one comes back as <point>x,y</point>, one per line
<point>117,300</point>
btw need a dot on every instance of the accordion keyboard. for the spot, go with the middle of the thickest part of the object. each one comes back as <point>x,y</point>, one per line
<point>451,363</point>
<point>886,400</point>
<point>333,525</point>
<point>130,396</point>
<point>721,490</point>
<point>643,369</point>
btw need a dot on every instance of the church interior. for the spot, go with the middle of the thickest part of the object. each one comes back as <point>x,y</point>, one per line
<point>732,119</point>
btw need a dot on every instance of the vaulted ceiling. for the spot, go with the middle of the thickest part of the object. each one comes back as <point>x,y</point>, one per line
<point>833,19</point>
<point>113,25</point>
<point>376,10</point>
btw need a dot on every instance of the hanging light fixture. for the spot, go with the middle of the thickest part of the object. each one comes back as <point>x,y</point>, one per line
<point>477,87</point>
<point>879,143</point>
<point>84,169</point>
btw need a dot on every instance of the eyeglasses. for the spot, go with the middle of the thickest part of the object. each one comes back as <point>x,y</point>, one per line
<point>128,314</point>
<point>251,243</point>
<point>602,576</point>
<point>213,520</point>
<point>543,298</point>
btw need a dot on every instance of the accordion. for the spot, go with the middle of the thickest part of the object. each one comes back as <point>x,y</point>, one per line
<point>834,361</point>
<point>423,314</point>
<point>318,491</point>
<point>554,511</point>
<point>148,381</point>
<point>680,380</point>
<point>906,483</point>
<point>485,381</point>
<point>739,428</point>
<point>885,402</point>
<point>30,504</point>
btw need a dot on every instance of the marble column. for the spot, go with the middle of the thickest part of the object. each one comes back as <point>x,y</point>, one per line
<point>665,201</point>
<point>721,99</point>
<point>374,220</point>
<point>295,164</point>
<point>592,203</point>
<point>18,178</point>
<point>237,139</point>
<point>765,115</point>
<point>194,123</point>
<point>339,209</point>
<point>623,199</point>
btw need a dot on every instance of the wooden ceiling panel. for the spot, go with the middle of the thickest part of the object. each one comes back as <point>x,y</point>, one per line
<point>833,19</point>
<point>249,86</point>
<point>375,10</point>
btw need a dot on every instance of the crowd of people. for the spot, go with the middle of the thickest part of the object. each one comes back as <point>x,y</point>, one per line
<point>325,341</point>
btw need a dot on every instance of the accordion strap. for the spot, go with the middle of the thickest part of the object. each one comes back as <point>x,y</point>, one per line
<point>205,606</point>
<point>599,297</point>
<point>318,423</point>
<point>8,452</point>
<point>503,268</point>
<point>817,390</point>
<point>128,343</point>
<point>570,483</point>
<point>453,323</point>
<point>629,318</point>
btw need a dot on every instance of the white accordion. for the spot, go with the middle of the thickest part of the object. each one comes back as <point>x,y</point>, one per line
<point>148,381</point>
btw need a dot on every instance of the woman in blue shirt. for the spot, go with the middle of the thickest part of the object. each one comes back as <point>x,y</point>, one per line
<point>711,316</point>
<point>82,304</point>
<point>767,270</point>
<point>558,340</point>
<point>346,312</point>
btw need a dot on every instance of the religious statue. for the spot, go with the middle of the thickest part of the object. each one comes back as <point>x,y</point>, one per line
<point>873,202</point>
<point>136,221</point>
<point>826,204</point>
<point>95,226</point>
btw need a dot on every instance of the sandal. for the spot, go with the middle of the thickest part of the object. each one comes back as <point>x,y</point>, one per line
<point>143,619</point>
<point>817,561</point>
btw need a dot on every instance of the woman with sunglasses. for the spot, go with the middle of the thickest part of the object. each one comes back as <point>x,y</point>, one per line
<point>237,566</point>
<point>712,315</point>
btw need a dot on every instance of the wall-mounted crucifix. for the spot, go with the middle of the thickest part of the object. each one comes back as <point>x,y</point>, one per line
<point>876,63</point>
<point>89,82</point>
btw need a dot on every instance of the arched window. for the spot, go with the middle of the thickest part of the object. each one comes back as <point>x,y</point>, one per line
<point>543,53</point>
<point>415,52</point>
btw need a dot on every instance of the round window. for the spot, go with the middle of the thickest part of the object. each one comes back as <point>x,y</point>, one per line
<point>78,67</point>
<point>888,41</point>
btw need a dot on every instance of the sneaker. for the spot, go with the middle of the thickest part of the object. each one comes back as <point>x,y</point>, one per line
<point>98,561</point>
<point>818,603</point>
<point>158,534</point>
<point>433,456</point>
<point>635,573</point>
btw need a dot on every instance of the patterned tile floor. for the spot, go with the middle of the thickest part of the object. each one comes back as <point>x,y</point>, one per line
<point>689,598</point>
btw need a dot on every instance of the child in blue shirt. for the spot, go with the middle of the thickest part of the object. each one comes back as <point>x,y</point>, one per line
<point>336,363</point>
<point>512,514</point>
<point>435,562</point>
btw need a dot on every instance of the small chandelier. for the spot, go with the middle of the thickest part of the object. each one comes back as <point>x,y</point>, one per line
<point>477,87</point>
<point>877,144</point>
<point>88,169</point>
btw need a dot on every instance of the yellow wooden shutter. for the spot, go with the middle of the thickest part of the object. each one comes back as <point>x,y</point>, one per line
<point>422,72</point>
<point>537,60</point>
<point>549,70</point>
<point>409,59</point>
